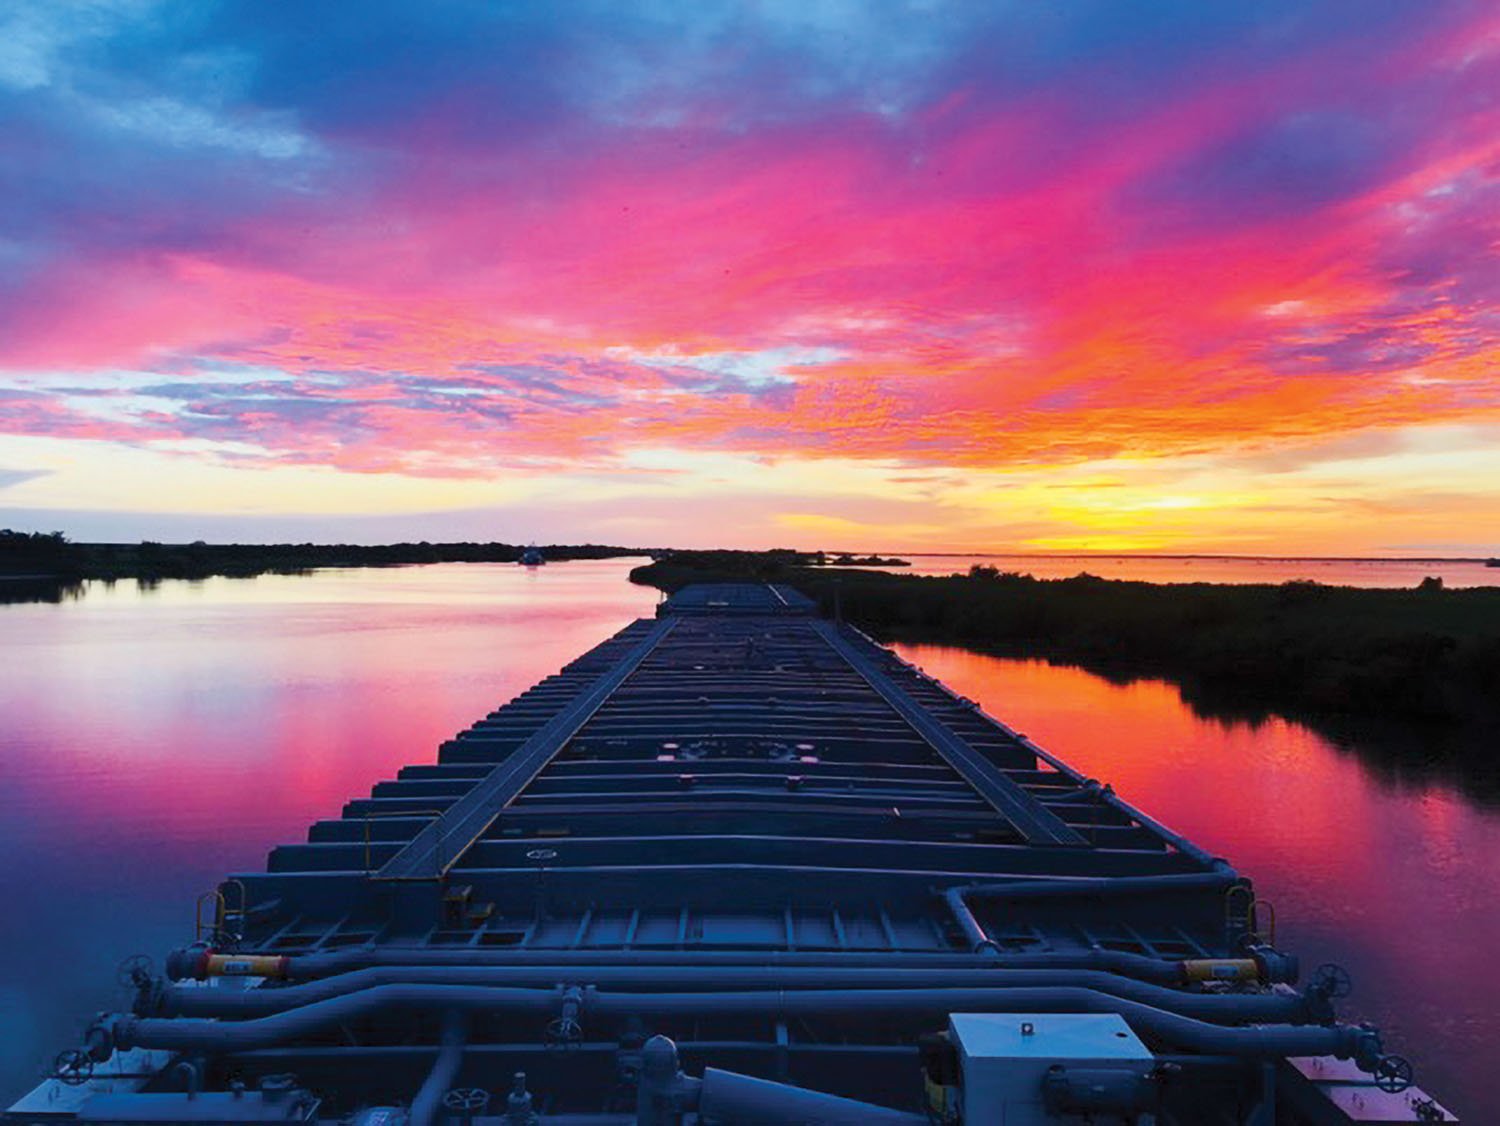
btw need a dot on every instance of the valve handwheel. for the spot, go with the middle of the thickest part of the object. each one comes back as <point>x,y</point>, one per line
<point>135,971</point>
<point>564,1033</point>
<point>1393,1074</point>
<point>467,1099</point>
<point>1332,980</point>
<point>73,1067</point>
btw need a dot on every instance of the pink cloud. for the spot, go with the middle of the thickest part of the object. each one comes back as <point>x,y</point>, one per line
<point>1001,284</point>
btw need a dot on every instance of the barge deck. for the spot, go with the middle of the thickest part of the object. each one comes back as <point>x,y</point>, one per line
<point>737,863</point>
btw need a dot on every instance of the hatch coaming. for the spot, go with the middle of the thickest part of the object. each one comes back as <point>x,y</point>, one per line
<point>754,762</point>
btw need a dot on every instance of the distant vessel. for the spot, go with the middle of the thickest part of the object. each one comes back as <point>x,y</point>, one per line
<point>532,557</point>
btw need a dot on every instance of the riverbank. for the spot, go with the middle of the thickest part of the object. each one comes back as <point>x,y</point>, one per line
<point>36,560</point>
<point>1425,655</point>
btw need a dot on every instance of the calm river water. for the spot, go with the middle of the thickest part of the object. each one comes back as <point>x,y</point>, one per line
<point>155,739</point>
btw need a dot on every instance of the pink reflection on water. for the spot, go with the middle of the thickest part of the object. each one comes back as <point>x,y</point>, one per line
<point>211,716</point>
<point>1400,883</point>
<point>156,740</point>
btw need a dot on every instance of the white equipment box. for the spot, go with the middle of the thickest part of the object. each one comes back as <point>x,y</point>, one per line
<point>1004,1056</point>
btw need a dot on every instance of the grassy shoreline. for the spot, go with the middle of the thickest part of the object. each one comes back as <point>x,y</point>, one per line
<point>1426,655</point>
<point>35,559</point>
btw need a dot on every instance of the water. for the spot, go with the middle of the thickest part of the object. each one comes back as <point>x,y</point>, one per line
<point>155,740</point>
<point>1396,879</point>
<point>1218,569</point>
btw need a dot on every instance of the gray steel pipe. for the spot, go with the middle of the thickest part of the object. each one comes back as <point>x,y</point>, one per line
<point>429,1097</point>
<point>727,1098</point>
<point>1273,1008</point>
<point>1099,886</point>
<point>182,964</point>
<point>186,1034</point>
<point>182,1034</point>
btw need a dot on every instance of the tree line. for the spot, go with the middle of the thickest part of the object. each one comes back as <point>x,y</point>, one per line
<point>53,555</point>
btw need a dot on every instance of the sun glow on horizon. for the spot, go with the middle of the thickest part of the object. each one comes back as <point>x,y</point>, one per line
<point>1100,277</point>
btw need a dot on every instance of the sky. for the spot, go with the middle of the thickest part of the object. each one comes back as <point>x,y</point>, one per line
<point>1165,276</point>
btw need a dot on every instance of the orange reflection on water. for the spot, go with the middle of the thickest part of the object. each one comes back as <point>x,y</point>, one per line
<point>1257,792</point>
<point>1397,880</point>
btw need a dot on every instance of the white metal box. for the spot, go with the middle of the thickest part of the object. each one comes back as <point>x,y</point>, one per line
<point>1003,1057</point>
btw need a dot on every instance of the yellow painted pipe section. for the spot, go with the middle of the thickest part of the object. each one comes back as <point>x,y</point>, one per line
<point>245,965</point>
<point>1221,969</point>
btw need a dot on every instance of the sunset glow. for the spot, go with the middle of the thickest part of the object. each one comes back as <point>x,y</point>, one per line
<point>1120,277</point>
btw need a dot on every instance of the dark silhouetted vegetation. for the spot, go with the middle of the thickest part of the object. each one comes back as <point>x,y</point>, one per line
<point>846,560</point>
<point>1424,654</point>
<point>35,559</point>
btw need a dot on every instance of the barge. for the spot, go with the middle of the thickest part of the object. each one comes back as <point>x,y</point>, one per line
<point>736,864</point>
